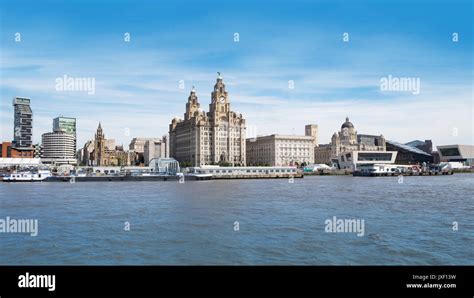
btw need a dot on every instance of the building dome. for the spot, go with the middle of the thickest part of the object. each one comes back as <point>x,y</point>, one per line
<point>347,124</point>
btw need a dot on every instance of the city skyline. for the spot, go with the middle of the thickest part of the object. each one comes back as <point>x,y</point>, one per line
<point>138,82</point>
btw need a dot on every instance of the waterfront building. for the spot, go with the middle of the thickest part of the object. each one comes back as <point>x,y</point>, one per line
<point>138,144</point>
<point>215,137</point>
<point>80,156</point>
<point>426,145</point>
<point>58,147</point>
<point>457,153</point>
<point>322,154</point>
<point>154,148</point>
<point>352,159</point>
<point>165,165</point>
<point>103,152</point>
<point>136,149</point>
<point>68,125</point>
<point>85,152</point>
<point>142,150</point>
<point>348,140</point>
<point>312,131</point>
<point>410,155</point>
<point>23,123</point>
<point>7,150</point>
<point>280,150</point>
<point>436,157</point>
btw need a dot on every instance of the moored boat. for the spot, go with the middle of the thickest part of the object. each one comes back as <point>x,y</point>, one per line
<point>39,176</point>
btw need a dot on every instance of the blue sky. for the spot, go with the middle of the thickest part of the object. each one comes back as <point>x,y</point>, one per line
<point>137,83</point>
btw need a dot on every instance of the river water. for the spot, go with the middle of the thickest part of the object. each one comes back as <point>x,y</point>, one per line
<point>424,220</point>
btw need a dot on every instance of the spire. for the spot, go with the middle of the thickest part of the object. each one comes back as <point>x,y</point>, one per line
<point>219,77</point>
<point>99,133</point>
<point>347,118</point>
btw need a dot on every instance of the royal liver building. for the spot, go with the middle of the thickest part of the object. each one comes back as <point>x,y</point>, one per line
<point>215,137</point>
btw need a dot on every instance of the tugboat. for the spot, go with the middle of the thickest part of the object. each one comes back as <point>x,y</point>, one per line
<point>39,176</point>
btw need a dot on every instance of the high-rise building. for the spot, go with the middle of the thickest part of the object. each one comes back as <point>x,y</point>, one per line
<point>23,123</point>
<point>215,137</point>
<point>66,124</point>
<point>58,148</point>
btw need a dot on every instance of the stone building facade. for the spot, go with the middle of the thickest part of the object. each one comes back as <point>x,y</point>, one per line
<point>215,137</point>
<point>322,154</point>
<point>282,150</point>
<point>348,140</point>
<point>103,152</point>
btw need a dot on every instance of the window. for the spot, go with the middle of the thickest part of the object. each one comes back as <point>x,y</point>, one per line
<point>374,156</point>
<point>450,152</point>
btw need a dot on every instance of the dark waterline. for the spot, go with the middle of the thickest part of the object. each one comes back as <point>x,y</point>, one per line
<point>279,222</point>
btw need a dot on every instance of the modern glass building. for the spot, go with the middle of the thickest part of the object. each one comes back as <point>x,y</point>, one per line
<point>23,123</point>
<point>66,124</point>
<point>351,160</point>
<point>409,154</point>
<point>460,153</point>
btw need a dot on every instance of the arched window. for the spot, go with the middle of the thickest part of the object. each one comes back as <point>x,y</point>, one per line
<point>222,109</point>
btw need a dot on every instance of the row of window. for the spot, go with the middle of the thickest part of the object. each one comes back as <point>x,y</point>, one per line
<point>248,171</point>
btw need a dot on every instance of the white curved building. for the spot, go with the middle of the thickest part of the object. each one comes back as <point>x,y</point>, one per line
<point>58,148</point>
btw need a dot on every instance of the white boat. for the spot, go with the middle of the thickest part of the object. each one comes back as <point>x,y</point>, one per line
<point>39,176</point>
<point>197,176</point>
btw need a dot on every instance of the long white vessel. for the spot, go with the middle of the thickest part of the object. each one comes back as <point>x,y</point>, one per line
<point>39,176</point>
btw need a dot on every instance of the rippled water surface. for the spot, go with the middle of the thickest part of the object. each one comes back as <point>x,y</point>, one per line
<point>279,222</point>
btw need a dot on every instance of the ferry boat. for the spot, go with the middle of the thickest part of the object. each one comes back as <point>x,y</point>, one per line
<point>39,176</point>
<point>374,170</point>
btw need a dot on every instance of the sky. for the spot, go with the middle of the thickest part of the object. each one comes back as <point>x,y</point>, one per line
<point>289,67</point>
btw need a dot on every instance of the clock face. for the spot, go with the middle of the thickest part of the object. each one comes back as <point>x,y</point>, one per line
<point>222,99</point>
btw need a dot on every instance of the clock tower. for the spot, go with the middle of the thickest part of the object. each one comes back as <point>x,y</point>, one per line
<point>215,137</point>
<point>220,105</point>
<point>192,105</point>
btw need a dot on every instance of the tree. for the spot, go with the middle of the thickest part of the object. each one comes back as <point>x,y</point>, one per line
<point>185,164</point>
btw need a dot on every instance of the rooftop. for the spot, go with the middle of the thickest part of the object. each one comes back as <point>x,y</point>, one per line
<point>408,148</point>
